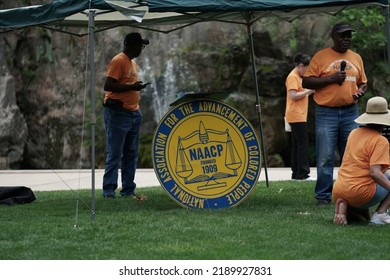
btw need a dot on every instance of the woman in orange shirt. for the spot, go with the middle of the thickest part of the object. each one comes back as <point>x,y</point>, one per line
<point>297,102</point>
<point>364,179</point>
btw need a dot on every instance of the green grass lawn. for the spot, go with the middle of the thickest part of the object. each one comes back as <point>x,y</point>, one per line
<point>277,223</point>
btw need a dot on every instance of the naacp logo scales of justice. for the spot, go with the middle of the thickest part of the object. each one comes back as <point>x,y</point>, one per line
<point>206,155</point>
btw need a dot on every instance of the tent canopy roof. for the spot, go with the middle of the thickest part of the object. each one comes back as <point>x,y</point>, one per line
<point>286,6</point>
<point>148,13</point>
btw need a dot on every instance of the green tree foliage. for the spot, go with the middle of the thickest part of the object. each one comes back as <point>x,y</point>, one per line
<point>369,40</point>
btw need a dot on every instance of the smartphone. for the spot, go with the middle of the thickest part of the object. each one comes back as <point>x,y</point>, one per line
<point>360,94</point>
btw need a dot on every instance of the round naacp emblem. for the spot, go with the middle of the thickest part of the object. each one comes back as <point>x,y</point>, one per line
<point>206,155</point>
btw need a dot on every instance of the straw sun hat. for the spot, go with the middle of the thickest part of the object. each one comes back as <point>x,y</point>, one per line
<point>377,112</point>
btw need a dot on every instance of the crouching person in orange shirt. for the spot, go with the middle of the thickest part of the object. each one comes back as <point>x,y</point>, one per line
<point>363,179</point>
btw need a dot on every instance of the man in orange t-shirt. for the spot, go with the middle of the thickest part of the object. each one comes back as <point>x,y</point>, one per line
<point>297,102</point>
<point>337,75</point>
<point>363,180</point>
<point>122,118</point>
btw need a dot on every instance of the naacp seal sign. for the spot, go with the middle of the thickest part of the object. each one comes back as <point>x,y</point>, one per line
<point>206,155</point>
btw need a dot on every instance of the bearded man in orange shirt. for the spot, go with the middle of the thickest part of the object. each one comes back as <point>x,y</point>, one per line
<point>337,75</point>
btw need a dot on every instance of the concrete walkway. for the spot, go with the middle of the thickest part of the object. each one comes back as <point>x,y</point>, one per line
<point>74,179</point>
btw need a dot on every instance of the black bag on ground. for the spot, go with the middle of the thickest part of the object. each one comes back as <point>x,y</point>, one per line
<point>16,195</point>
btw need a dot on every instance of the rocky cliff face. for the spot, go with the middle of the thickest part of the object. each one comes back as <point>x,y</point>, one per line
<point>51,75</point>
<point>13,127</point>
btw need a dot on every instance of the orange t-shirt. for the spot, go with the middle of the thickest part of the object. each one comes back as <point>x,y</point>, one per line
<point>326,62</point>
<point>296,110</point>
<point>124,70</point>
<point>365,147</point>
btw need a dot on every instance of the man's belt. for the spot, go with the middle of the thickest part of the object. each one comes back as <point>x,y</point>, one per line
<point>339,107</point>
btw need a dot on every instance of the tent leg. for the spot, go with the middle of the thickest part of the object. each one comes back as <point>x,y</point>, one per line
<point>386,14</point>
<point>258,108</point>
<point>91,26</point>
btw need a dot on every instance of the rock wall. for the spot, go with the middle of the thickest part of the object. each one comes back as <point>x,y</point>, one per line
<point>13,127</point>
<point>51,75</point>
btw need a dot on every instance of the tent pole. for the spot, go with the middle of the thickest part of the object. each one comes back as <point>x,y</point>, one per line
<point>91,27</point>
<point>386,14</point>
<point>258,108</point>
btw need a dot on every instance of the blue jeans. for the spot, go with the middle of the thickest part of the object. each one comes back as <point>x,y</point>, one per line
<point>380,194</point>
<point>333,126</point>
<point>122,146</point>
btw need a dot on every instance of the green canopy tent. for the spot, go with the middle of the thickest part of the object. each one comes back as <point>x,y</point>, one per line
<point>113,13</point>
<point>100,15</point>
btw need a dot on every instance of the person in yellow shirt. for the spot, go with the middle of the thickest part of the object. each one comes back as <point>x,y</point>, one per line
<point>363,179</point>
<point>297,102</point>
<point>338,77</point>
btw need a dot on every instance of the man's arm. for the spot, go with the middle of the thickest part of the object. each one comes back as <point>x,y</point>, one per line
<point>112,84</point>
<point>320,82</point>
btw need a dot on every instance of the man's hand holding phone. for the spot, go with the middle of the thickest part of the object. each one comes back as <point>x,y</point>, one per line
<point>139,85</point>
<point>360,92</point>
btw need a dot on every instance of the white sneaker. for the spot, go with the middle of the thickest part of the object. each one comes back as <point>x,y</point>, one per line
<point>380,219</point>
